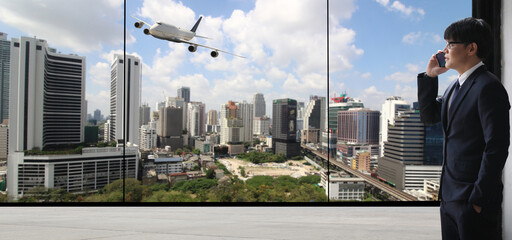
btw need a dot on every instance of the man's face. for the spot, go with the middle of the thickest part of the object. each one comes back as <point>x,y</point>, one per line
<point>455,54</point>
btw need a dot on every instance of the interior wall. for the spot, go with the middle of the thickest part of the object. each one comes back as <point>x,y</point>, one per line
<point>506,36</point>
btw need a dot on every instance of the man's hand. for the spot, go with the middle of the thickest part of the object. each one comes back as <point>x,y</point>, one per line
<point>433,69</point>
<point>477,208</point>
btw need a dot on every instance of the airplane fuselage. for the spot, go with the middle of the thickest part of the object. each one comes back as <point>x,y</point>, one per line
<point>169,32</point>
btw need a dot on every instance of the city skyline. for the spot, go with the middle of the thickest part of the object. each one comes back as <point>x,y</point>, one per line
<point>286,57</point>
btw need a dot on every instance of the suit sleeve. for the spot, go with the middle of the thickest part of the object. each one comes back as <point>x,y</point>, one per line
<point>493,108</point>
<point>430,108</point>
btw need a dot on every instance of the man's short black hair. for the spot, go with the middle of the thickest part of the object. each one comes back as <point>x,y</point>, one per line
<point>471,30</point>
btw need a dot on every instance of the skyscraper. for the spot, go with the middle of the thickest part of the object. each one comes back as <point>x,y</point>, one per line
<point>390,110</point>
<point>246,115</point>
<point>179,102</point>
<point>184,92</point>
<point>145,112</point>
<point>148,136</point>
<point>259,105</point>
<point>358,126</point>
<point>341,103</point>
<point>328,138</point>
<point>5,56</point>
<point>97,115</point>
<point>284,131</point>
<point>212,123</point>
<point>212,118</point>
<point>314,119</point>
<point>230,123</point>
<point>196,119</point>
<point>261,126</point>
<point>404,156</point>
<point>132,99</point>
<point>47,96</point>
<point>169,129</point>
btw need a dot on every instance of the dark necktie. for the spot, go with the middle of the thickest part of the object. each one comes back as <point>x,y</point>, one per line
<point>455,91</point>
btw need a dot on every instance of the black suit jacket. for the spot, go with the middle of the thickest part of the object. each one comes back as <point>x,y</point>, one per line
<point>476,136</point>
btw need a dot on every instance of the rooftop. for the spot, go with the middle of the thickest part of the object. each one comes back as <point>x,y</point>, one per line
<point>168,160</point>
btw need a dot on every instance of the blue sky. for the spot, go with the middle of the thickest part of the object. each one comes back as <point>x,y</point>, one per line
<point>377,46</point>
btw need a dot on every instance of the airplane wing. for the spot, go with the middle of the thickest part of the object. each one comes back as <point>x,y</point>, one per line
<point>141,21</point>
<point>212,48</point>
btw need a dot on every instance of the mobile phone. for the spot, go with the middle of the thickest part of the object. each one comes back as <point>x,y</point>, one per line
<point>440,59</point>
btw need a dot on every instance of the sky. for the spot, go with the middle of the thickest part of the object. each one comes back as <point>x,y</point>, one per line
<point>376,50</point>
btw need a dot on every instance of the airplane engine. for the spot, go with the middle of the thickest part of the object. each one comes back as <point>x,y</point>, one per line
<point>192,48</point>
<point>146,31</point>
<point>214,54</point>
<point>138,24</point>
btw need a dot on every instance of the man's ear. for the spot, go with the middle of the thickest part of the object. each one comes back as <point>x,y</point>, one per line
<point>472,48</point>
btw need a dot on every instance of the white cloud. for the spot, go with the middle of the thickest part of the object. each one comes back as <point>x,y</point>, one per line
<point>269,36</point>
<point>82,26</point>
<point>407,11</point>
<point>366,75</point>
<point>373,98</point>
<point>99,74</point>
<point>405,77</point>
<point>168,11</point>
<point>418,38</point>
<point>408,93</point>
<point>411,38</point>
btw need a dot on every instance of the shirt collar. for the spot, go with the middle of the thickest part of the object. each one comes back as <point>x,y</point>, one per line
<point>466,74</point>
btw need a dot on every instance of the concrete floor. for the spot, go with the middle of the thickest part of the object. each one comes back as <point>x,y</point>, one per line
<point>219,223</point>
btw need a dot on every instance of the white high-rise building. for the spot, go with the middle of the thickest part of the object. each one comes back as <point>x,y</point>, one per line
<point>196,119</point>
<point>47,96</point>
<point>262,126</point>
<point>390,110</point>
<point>106,131</point>
<point>148,136</point>
<point>117,100</point>
<point>159,105</point>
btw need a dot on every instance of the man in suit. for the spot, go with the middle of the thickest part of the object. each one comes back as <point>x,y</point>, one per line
<point>474,111</point>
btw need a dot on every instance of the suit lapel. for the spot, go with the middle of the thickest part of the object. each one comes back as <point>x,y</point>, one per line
<point>457,102</point>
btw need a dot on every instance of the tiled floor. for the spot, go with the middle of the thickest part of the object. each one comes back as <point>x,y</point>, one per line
<point>220,223</point>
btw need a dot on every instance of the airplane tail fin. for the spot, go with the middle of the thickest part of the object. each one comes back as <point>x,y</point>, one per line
<point>196,25</point>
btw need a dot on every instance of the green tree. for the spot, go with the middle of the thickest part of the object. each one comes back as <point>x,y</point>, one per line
<point>311,179</point>
<point>178,151</point>
<point>3,198</point>
<point>160,187</point>
<point>210,174</point>
<point>171,196</point>
<point>194,186</point>
<point>242,172</point>
<point>257,181</point>
<point>47,195</point>
<point>196,151</point>
<point>134,190</point>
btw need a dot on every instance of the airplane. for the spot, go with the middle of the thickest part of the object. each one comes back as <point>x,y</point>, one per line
<point>172,33</point>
